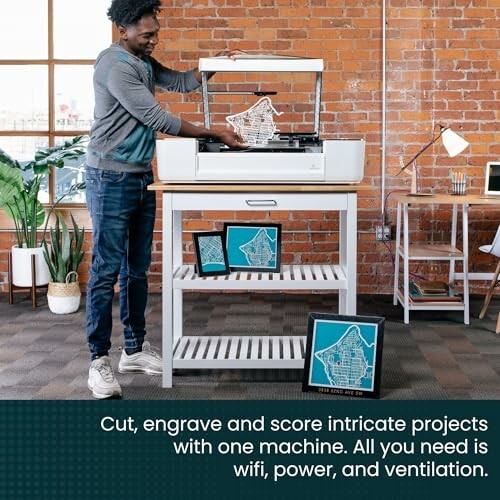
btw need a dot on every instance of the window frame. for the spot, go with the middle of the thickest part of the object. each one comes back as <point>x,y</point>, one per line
<point>51,62</point>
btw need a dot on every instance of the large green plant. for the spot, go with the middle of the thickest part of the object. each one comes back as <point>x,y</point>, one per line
<point>19,196</point>
<point>67,250</point>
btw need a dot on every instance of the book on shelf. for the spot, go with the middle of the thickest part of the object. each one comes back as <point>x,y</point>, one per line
<point>431,287</point>
<point>417,296</point>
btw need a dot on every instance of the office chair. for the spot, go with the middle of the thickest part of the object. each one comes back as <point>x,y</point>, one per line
<point>494,249</point>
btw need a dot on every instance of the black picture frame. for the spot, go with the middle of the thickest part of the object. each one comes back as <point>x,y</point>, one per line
<point>210,245</point>
<point>343,355</point>
<point>249,235</point>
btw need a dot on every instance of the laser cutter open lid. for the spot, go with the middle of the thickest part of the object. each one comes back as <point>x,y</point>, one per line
<point>260,62</point>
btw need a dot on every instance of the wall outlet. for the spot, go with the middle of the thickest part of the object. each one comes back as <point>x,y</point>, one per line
<point>383,233</point>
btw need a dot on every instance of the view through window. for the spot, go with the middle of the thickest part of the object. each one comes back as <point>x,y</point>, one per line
<point>47,52</point>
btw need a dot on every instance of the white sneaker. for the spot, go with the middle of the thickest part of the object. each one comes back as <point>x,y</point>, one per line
<point>102,381</point>
<point>147,361</point>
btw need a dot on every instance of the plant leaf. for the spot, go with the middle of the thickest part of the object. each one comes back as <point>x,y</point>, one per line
<point>48,259</point>
<point>66,241</point>
<point>8,160</point>
<point>11,184</point>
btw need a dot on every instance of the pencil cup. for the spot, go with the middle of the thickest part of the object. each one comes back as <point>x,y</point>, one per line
<point>458,187</point>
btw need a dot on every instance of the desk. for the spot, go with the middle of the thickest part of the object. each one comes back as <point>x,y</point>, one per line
<point>249,352</point>
<point>450,252</point>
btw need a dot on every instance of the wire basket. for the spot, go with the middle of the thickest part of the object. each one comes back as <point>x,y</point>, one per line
<point>66,289</point>
<point>64,298</point>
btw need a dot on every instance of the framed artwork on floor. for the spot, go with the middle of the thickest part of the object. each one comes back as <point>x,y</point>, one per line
<point>253,246</point>
<point>210,252</point>
<point>343,355</point>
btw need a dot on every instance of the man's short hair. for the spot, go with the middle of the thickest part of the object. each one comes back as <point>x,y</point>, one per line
<point>127,12</point>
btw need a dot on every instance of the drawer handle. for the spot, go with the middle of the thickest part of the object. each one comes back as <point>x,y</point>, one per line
<point>261,203</point>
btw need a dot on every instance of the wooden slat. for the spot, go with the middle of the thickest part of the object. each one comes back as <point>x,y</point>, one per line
<point>233,351</point>
<point>286,273</point>
<point>297,274</point>
<point>189,354</point>
<point>276,348</point>
<point>244,347</point>
<point>200,354</point>
<point>254,353</point>
<point>222,348</point>
<point>264,349</point>
<point>318,273</point>
<point>329,273</point>
<point>286,348</point>
<point>339,272</point>
<point>214,342</point>
<point>187,343</point>
<point>179,348</point>
<point>308,273</point>
<point>296,345</point>
<point>190,274</point>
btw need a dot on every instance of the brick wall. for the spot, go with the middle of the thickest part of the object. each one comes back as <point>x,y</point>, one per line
<point>442,67</point>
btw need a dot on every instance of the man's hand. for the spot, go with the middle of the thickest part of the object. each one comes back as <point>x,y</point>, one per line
<point>231,53</point>
<point>228,137</point>
<point>231,139</point>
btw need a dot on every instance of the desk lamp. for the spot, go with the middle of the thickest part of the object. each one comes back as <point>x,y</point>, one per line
<point>454,145</point>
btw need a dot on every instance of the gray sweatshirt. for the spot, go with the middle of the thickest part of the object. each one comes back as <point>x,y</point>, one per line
<point>126,112</point>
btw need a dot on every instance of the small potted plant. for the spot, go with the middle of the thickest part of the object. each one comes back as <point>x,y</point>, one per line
<point>63,258</point>
<point>19,198</point>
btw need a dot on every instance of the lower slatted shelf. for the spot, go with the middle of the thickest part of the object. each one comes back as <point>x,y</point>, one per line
<point>239,352</point>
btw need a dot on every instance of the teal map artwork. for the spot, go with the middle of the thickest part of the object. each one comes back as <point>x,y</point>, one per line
<point>252,246</point>
<point>344,355</point>
<point>212,253</point>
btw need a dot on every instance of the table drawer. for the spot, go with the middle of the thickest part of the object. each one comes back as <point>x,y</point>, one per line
<point>259,201</point>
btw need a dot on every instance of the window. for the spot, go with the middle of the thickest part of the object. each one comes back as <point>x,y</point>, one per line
<point>47,52</point>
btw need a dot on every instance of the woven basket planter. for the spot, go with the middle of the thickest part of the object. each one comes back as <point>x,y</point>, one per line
<point>64,298</point>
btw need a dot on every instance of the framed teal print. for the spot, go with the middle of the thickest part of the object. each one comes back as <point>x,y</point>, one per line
<point>343,355</point>
<point>210,253</point>
<point>253,246</point>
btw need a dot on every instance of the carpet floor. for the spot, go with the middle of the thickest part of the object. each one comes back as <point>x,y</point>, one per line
<point>44,356</point>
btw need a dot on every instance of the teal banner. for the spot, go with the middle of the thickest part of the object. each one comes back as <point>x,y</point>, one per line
<point>249,449</point>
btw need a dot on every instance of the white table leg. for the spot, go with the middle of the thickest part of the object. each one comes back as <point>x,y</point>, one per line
<point>465,238</point>
<point>177,263</point>
<point>452,271</point>
<point>167,290</point>
<point>396,256</point>
<point>406,265</point>
<point>348,255</point>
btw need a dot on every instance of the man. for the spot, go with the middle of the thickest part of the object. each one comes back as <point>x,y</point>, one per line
<point>122,142</point>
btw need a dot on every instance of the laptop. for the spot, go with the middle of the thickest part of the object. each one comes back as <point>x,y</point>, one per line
<point>492,180</point>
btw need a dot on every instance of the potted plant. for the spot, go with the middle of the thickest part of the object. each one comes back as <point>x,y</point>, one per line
<point>63,257</point>
<point>19,198</point>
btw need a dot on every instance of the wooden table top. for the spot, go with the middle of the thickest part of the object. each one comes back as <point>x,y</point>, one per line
<point>258,188</point>
<point>445,199</point>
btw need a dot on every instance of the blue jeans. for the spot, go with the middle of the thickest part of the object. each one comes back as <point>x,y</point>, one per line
<point>123,214</point>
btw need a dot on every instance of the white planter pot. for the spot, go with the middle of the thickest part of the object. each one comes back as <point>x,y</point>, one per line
<point>21,266</point>
<point>64,298</point>
<point>63,305</point>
